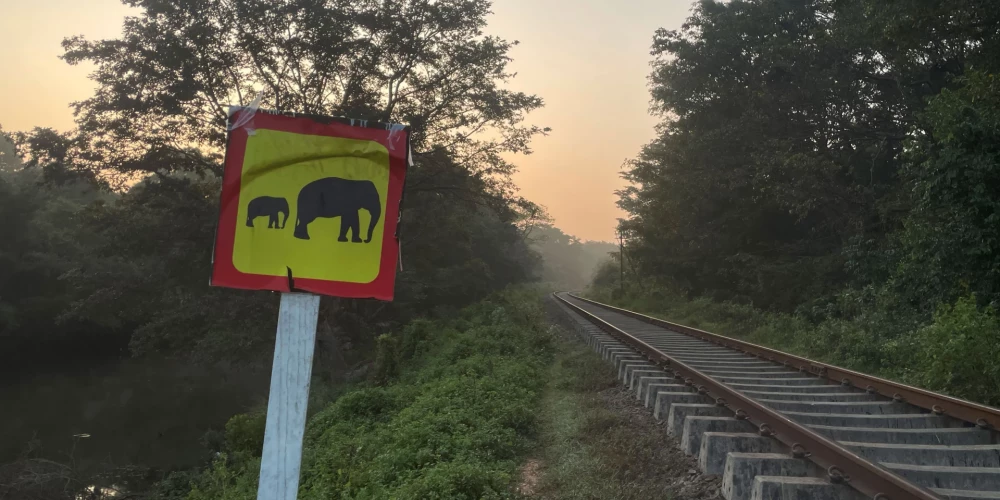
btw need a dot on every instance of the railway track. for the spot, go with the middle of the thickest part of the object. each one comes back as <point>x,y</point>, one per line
<point>778,426</point>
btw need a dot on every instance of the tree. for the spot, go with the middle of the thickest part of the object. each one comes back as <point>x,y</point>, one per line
<point>783,138</point>
<point>42,242</point>
<point>59,157</point>
<point>155,130</point>
<point>566,262</point>
<point>766,162</point>
<point>950,244</point>
<point>458,242</point>
<point>163,87</point>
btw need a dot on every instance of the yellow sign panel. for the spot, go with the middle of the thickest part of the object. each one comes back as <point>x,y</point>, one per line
<point>313,204</point>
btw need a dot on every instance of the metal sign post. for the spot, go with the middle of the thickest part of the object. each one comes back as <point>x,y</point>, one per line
<point>289,397</point>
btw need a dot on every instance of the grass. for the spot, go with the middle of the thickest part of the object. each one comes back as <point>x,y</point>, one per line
<point>571,407</point>
<point>450,413</point>
<point>495,403</point>
<point>955,352</point>
<point>596,442</point>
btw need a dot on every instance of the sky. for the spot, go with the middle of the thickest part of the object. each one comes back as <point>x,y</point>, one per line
<point>588,59</point>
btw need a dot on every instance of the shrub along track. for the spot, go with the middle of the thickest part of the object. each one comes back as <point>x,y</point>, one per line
<point>779,426</point>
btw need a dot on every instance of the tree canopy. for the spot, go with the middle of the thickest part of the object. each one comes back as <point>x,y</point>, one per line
<point>798,138</point>
<point>165,84</point>
<point>129,257</point>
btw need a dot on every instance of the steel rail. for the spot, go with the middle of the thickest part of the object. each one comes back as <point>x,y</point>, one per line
<point>982,416</point>
<point>841,464</point>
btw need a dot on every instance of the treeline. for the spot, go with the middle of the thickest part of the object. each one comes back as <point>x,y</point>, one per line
<point>567,262</point>
<point>108,228</point>
<point>90,274</point>
<point>809,147</point>
<point>825,180</point>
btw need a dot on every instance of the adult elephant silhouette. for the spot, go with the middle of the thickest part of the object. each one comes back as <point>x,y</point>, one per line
<point>336,197</point>
<point>269,206</point>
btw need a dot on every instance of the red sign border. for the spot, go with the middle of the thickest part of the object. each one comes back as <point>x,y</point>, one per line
<point>225,274</point>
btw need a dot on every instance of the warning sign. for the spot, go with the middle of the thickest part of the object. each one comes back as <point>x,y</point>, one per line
<point>310,204</point>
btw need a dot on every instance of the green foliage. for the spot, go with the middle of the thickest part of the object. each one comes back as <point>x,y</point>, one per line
<point>822,179</point>
<point>951,240</point>
<point>755,181</point>
<point>459,242</point>
<point>453,425</point>
<point>386,358</point>
<point>245,433</point>
<point>607,276</point>
<point>133,267</point>
<point>226,480</point>
<point>957,353</point>
<point>416,338</point>
<point>175,486</point>
<point>164,84</point>
<point>144,274</point>
<point>43,242</point>
<point>781,171</point>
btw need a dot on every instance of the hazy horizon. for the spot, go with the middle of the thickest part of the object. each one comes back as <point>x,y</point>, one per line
<point>587,59</point>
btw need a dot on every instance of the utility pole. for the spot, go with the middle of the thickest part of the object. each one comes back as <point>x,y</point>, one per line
<point>621,259</point>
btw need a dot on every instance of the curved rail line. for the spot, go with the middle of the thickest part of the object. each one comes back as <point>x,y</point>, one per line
<point>789,398</point>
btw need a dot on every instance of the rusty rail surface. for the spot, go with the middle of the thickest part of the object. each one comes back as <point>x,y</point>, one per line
<point>841,464</point>
<point>983,417</point>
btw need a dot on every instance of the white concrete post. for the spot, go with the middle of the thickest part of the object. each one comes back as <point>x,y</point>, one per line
<point>289,397</point>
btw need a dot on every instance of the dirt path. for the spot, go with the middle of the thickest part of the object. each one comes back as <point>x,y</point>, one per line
<point>598,442</point>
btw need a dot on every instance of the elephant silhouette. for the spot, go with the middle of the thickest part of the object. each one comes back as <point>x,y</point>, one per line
<point>336,197</point>
<point>269,206</point>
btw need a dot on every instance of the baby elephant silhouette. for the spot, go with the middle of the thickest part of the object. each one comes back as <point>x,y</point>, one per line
<point>336,197</point>
<point>269,206</point>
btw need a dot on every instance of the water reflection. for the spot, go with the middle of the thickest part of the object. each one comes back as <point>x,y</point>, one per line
<point>94,492</point>
<point>121,422</point>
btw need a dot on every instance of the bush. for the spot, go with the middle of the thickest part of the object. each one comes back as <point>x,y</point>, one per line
<point>387,359</point>
<point>415,338</point>
<point>955,353</point>
<point>245,433</point>
<point>451,423</point>
<point>958,352</point>
<point>226,481</point>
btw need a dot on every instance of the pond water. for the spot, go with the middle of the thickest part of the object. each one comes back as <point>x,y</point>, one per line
<point>158,414</point>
